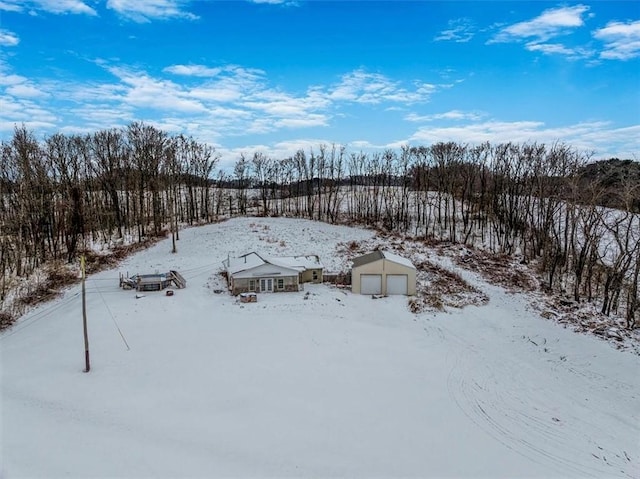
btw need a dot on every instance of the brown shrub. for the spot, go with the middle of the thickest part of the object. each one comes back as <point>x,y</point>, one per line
<point>353,245</point>
<point>6,319</point>
<point>499,269</point>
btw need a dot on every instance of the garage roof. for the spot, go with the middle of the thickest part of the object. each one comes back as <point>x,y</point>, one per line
<point>378,255</point>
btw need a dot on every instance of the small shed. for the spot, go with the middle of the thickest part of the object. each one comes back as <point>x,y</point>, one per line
<point>383,273</point>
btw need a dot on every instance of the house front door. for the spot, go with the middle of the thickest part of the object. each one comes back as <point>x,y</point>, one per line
<point>266,285</point>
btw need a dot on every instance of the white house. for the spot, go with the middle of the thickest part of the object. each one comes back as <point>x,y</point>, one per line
<point>262,274</point>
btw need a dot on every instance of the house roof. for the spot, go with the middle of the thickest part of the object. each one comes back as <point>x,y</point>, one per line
<point>244,262</point>
<point>378,255</point>
<point>253,260</point>
<point>300,263</point>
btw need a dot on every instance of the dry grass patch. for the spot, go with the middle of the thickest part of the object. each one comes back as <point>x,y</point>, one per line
<point>95,262</point>
<point>439,288</point>
<point>55,277</point>
<point>497,269</point>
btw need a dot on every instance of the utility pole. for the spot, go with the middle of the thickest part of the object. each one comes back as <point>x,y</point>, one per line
<point>174,224</point>
<point>87,367</point>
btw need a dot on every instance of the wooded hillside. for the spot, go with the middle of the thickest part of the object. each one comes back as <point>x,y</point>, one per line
<point>72,194</point>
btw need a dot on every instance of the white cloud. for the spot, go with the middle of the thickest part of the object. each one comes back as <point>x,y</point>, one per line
<point>8,39</point>
<point>210,102</point>
<point>362,144</point>
<point>309,120</point>
<point>14,111</point>
<point>362,87</point>
<point>454,115</point>
<point>11,5</point>
<point>231,84</point>
<point>559,49</point>
<point>273,110</point>
<point>23,90</point>
<point>597,136</point>
<point>223,92</point>
<point>144,91</point>
<point>276,2</point>
<point>623,142</point>
<point>239,75</point>
<point>10,79</point>
<point>239,94</point>
<point>17,86</point>
<point>143,11</point>
<point>235,102</point>
<point>278,103</point>
<point>51,6</point>
<point>621,40</point>
<point>192,70</point>
<point>460,31</point>
<point>90,93</point>
<point>101,115</point>
<point>492,131</point>
<point>551,23</point>
<point>66,6</point>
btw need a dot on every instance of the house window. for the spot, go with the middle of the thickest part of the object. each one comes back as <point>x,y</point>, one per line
<point>252,285</point>
<point>280,283</point>
<point>315,275</point>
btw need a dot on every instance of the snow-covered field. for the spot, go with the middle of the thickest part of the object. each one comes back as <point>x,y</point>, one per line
<point>320,383</point>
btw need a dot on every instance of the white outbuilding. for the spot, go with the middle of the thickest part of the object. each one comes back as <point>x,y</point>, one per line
<point>383,273</point>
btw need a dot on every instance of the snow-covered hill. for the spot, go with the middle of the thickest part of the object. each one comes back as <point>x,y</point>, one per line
<point>320,383</point>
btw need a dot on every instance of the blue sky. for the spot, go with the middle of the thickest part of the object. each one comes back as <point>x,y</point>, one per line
<point>275,76</point>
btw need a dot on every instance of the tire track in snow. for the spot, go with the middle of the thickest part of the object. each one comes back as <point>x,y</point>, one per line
<point>514,418</point>
<point>521,417</point>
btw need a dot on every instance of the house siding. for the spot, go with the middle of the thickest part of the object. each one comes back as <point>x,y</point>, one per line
<point>307,276</point>
<point>244,285</point>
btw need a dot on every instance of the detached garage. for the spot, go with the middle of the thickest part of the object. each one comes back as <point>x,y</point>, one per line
<point>383,273</point>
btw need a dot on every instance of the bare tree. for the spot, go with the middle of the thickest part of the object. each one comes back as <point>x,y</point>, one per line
<point>242,177</point>
<point>148,149</point>
<point>110,167</point>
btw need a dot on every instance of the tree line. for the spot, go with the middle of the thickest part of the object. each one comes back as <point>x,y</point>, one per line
<point>61,196</point>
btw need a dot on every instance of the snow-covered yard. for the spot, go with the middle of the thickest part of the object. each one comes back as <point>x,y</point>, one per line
<point>320,383</point>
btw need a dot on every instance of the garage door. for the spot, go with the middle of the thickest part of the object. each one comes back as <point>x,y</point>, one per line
<point>397,284</point>
<point>370,284</point>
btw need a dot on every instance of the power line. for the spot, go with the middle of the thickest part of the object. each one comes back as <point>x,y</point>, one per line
<point>38,316</point>
<point>113,319</point>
